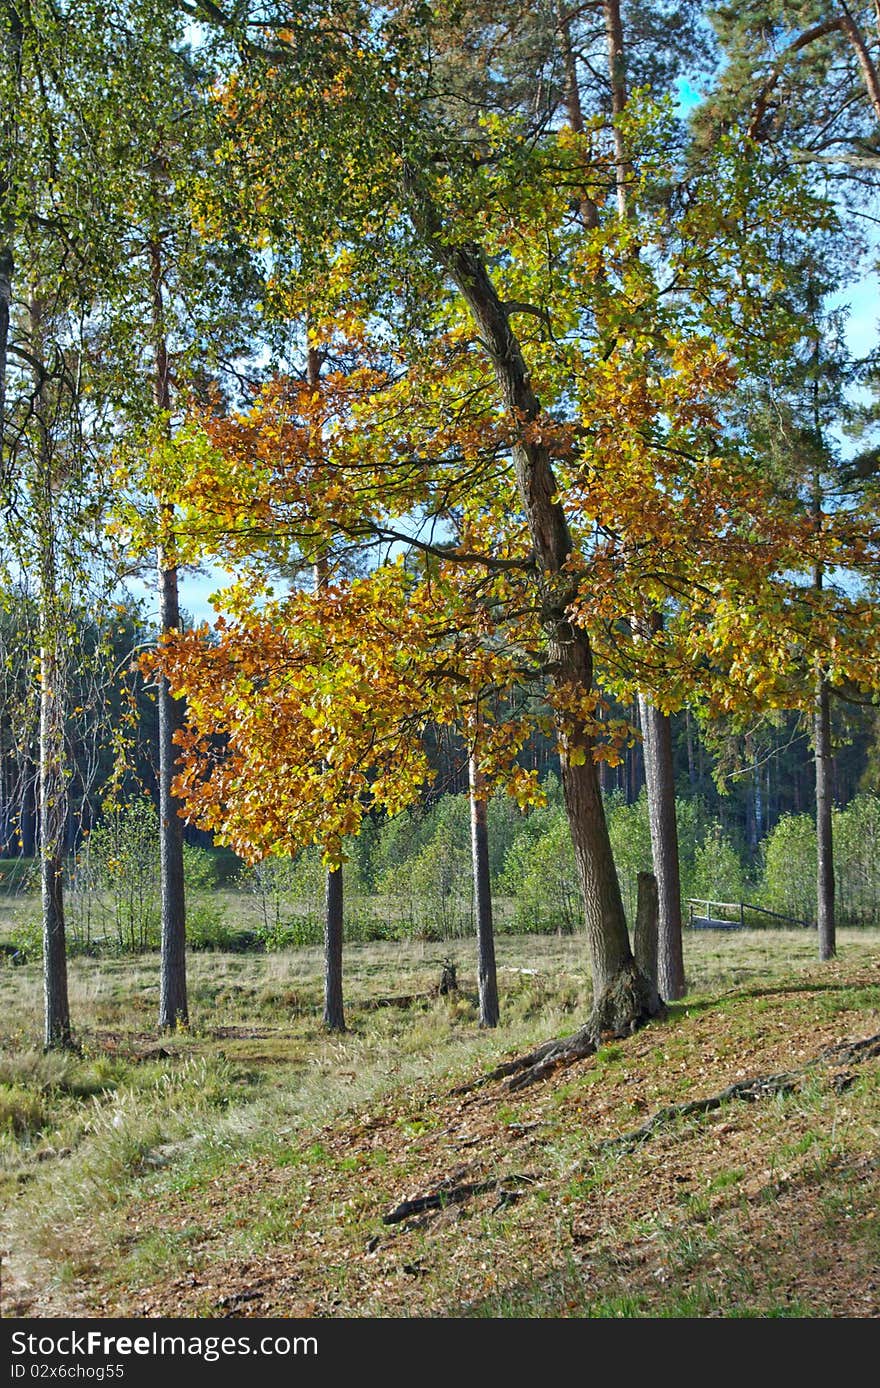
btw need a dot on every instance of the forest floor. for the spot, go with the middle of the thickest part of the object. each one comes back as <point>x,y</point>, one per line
<point>248,1167</point>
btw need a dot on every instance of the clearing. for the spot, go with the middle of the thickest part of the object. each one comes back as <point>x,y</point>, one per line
<point>248,1167</point>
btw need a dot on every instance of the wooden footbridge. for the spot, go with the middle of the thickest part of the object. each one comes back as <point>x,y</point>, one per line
<point>731,915</point>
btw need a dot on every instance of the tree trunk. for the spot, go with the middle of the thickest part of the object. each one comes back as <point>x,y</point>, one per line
<point>689,738</point>
<point>173,1005</point>
<point>53,804</point>
<point>647,932</point>
<point>334,1013</point>
<point>660,780</point>
<point>634,760</point>
<point>573,108</point>
<point>656,726</point>
<point>12,46</point>
<point>617,77</point>
<point>822,726</point>
<point>824,840</point>
<point>486,973</point>
<point>6,271</point>
<point>52,793</point>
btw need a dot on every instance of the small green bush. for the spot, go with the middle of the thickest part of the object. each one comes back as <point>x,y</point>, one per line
<point>22,1112</point>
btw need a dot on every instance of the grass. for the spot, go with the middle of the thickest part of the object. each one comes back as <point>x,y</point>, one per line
<point>248,1162</point>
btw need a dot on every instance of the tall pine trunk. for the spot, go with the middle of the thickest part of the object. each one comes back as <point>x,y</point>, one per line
<point>6,271</point>
<point>825,921</point>
<point>12,49</point>
<point>173,1004</point>
<point>334,1009</point>
<point>824,839</point>
<point>52,812</point>
<point>52,791</point>
<point>334,1012</point>
<point>486,971</point>
<point>617,77</point>
<point>573,109</point>
<point>660,782</point>
<point>656,726</point>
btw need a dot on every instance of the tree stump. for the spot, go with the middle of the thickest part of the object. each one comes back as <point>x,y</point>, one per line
<point>448,978</point>
<point>646,933</point>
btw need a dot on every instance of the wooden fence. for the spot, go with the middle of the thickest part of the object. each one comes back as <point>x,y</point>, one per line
<point>709,920</point>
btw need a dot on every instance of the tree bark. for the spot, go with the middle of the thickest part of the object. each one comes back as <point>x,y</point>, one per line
<point>620,991</point>
<point>486,971</point>
<point>573,109</point>
<point>52,808</point>
<point>173,1003</point>
<point>647,932</point>
<point>824,838</point>
<point>689,738</point>
<point>334,1012</point>
<point>617,77</point>
<point>656,726</point>
<point>6,272</point>
<point>826,927</point>
<point>12,45</point>
<point>660,781</point>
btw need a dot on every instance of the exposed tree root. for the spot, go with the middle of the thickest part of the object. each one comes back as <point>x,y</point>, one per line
<point>447,1193</point>
<point>761,1087</point>
<point>850,1052</point>
<point>626,1005</point>
<point>758,1087</point>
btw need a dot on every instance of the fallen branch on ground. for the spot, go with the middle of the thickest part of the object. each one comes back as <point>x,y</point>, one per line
<point>448,1194</point>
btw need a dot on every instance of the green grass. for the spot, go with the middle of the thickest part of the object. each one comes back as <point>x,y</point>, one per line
<point>255,1133</point>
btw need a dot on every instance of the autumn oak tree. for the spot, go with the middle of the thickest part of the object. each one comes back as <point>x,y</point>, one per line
<point>566,404</point>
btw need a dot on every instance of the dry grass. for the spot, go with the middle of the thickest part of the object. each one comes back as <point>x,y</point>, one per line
<point>244,1167</point>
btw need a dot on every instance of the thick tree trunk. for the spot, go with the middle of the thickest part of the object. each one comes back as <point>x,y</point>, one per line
<point>486,972</point>
<point>647,931</point>
<point>173,1005</point>
<point>660,780</point>
<point>623,997</point>
<point>824,840</point>
<point>334,1012</point>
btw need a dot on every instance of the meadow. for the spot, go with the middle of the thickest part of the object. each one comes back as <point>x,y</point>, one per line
<point>248,1166</point>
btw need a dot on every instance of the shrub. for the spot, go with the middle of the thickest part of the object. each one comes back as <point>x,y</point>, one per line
<point>718,873</point>
<point>119,864</point>
<point>857,861</point>
<point>789,875</point>
<point>541,876</point>
<point>629,829</point>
